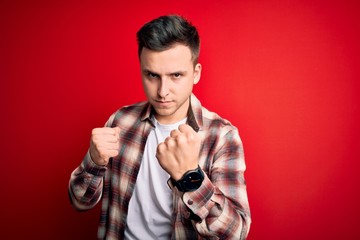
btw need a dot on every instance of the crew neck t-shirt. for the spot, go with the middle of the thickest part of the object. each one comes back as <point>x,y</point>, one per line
<point>150,207</point>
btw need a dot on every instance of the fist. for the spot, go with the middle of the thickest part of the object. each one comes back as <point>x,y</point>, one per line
<point>104,144</point>
<point>179,152</point>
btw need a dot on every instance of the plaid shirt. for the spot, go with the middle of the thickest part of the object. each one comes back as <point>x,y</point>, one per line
<point>219,209</point>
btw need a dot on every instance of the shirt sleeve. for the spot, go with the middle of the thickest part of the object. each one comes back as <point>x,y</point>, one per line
<point>85,185</point>
<point>221,202</point>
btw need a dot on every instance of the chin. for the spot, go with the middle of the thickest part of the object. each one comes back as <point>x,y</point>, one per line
<point>163,112</point>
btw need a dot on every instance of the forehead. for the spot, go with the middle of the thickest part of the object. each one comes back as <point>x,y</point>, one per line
<point>177,57</point>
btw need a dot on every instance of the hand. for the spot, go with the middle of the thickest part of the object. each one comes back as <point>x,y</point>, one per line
<point>179,152</point>
<point>104,144</point>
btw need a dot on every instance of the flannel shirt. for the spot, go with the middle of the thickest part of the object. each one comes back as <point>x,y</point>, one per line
<point>219,209</point>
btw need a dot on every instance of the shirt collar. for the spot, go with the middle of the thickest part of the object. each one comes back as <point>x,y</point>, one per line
<point>194,115</point>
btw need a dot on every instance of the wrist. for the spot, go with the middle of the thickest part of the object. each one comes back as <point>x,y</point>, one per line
<point>96,160</point>
<point>91,167</point>
<point>190,180</point>
<point>180,173</point>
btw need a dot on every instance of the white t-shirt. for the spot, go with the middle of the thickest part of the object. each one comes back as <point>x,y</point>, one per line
<point>150,207</point>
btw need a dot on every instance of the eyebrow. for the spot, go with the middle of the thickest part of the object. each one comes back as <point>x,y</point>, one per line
<point>147,71</point>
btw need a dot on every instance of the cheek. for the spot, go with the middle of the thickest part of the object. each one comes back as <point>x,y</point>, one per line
<point>150,89</point>
<point>188,85</point>
<point>184,83</point>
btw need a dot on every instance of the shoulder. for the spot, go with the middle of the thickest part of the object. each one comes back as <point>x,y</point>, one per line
<point>209,120</point>
<point>219,131</point>
<point>128,115</point>
<point>213,121</point>
<point>136,108</point>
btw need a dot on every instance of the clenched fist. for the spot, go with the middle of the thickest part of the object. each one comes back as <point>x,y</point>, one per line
<point>179,152</point>
<point>104,144</point>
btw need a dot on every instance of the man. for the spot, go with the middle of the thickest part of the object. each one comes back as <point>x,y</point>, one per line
<point>167,168</point>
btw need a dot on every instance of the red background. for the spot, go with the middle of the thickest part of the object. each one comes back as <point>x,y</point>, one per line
<point>286,73</point>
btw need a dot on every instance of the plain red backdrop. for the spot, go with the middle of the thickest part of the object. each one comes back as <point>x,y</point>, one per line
<point>286,73</point>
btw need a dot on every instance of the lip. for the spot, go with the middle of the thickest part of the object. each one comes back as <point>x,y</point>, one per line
<point>163,103</point>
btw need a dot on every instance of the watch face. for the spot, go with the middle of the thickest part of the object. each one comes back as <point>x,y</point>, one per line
<point>192,181</point>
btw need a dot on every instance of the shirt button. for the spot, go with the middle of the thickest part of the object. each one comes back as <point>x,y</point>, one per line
<point>190,202</point>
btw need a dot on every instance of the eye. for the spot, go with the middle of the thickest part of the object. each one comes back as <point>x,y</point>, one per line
<point>177,75</point>
<point>152,75</point>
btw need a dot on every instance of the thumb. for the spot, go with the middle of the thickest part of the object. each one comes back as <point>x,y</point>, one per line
<point>117,130</point>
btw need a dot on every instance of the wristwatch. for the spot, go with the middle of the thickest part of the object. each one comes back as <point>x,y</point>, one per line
<point>190,181</point>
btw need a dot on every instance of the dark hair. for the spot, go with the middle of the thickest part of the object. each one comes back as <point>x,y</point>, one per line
<point>163,32</point>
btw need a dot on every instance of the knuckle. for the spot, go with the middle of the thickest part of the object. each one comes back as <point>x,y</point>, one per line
<point>181,139</point>
<point>160,147</point>
<point>171,143</point>
<point>117,130</point>
<point>173,133</point>
<point>184,127</point>
<point>95,139</point>
<point>181,127</point>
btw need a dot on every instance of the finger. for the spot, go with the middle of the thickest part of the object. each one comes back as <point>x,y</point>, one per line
<point>104,131</point>
<point>181,139</point>
<point>185,128</point>
<point>105,146</point>
<point>109,138</point>
<point>188,132</point>
<point>114,146</point>
<point>160,149</point>
<point>113,153</point>
<point>113,131</point>
<point>117,130</point>
<point>169,142</point>
<point>174,133</point>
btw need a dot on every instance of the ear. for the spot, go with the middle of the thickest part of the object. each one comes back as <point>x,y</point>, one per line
<point>197,73</point>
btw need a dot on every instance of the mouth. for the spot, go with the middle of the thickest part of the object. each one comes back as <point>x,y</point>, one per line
<point>163,103</point>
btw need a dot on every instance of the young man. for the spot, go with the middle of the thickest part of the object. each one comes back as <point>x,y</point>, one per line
<point>167,168</point>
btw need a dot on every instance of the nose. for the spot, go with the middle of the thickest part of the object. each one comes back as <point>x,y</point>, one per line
<point>163,90</point>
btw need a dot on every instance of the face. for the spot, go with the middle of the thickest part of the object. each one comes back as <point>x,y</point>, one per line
<point>168,78</point>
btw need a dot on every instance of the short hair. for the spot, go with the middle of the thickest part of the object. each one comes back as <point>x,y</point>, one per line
<point>163,32</point>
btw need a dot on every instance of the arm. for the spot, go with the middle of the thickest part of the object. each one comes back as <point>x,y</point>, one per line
<point>86,181</point>
<point>85,186</point>
<point>221,201</point>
